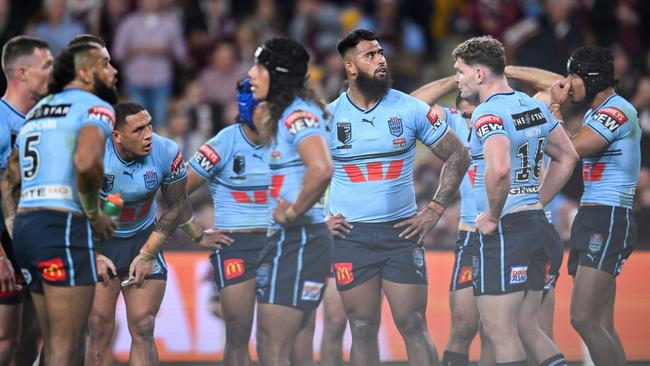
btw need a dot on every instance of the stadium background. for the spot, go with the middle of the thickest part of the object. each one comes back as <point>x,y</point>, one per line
<point>181,58</point>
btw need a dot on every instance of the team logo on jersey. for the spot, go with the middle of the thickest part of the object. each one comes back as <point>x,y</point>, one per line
<point>465,275</point>
<point>399,143</point>
<point>311,291</point>
<point>233,268</point>
<point>395,126</point>
<point>52,270</point>
<point>595,243</point>
<point>299,120</point>
<point>107,183</point>
<point>49,111</point>
<point>434,119</point>
<point>206,157</point>
<point>344,134</point>
<point>487,123</point>
<point>239,164</point>
<point>344,274</point>
<point>527,119</point>
<point>102,113</point>
<point>611,117</point>
<point>150,179</point>
<point>518,275</point>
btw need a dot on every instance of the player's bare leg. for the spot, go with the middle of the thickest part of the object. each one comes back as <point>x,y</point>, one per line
<point>277,326</point>
<point>363,307</point>
<point>10,324</point>
<point>487,357</point>
<point>607,319</point>
<point>29,342</point>
<point>334,323</point>
<point>302,353</point>
<point>67,310</point>
<point>43,322</point>
<point>464,325</point>
<point>408,304</point>
<point>237,307</point>
<point>544,316</point>
<point>539,346</point>
<point>142,304</point>
<point>591,290</point>
<point>500,316</point>
<point>101,324</point>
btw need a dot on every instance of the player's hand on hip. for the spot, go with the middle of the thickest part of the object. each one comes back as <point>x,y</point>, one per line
<point>486,225</point>
<point>140,268</point>
<point>280,210</point>
<point>104,265</point>
<point>420,224</point>
<point>560,90</point>
<point>338,226</point>
<point>103,227</point>
<point>7,276</point>
<point>214,239</point>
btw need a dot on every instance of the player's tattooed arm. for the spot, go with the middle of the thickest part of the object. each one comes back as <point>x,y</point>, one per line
<point>11,187</point>
<point>175,196</point>
<point>450,150</point>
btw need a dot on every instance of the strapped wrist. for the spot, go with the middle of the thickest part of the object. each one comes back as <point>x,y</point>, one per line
<point>90,204</point>
<point>192,229</point>
<point>147,256</point>
<point>437,207</point>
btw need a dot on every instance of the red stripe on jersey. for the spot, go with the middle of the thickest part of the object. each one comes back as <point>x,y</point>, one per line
<point>394,169</point>
<point>276,185</point>
<point>241,197</point>
<point>375,171</point>
<point>593,172</point>
<point>354,173</point>
<point>260,197</point>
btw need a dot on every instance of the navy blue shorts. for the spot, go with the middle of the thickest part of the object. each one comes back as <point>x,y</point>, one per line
<point>54,247</point>
<point>122,251</point>
<point>294,265</point>
<point>376,249</point>
<point>515,257</point>
<point>16,296</point>
<point>238,262</point>
<point>461,276</point>
<point>602,237</point>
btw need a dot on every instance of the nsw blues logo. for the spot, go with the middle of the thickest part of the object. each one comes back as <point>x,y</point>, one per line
<point>151,179</point>
<point>395,126</point>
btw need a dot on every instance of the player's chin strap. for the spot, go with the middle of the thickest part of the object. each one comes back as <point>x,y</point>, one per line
<point>597,76</point>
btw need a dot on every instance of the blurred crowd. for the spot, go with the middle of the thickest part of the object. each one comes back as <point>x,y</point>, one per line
<point>182,58</point>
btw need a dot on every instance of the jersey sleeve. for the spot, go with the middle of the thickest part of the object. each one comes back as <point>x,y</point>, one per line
<point>303,122</point>
<point>211,156</point>
<point>175,169</point>
<point>486,122</point>
<point>430,128</point>
<point>98,114</point>
<point>608,122</point>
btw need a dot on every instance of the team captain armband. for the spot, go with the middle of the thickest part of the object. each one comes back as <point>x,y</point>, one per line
<point>487,123</point>
<point>206,157</point>
<point>102,113</point>
<point>610,117</point>
<point>298,120</point>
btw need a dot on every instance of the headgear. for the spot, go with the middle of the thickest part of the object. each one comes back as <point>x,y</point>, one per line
<point>595,66</point>
<point>286,60</point>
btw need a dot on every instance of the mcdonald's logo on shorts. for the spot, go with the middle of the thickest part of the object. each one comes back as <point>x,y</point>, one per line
<point>233,268</point>
<point>52,270</point>
<point>344,275</point>
<point>465,275</point>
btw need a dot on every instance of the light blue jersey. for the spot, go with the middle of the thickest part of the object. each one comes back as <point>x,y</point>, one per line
<point>300,120</point>
<point>374,152</point>
<point>238,175</point>
<point>466,188</point>
<point>137,182</point>
<point>527,123</point>
<point>610,176</point>
<point>10,123</point>
<point>47,143</point>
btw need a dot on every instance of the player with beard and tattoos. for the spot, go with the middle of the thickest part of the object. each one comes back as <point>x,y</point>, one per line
<point>53,180</point>
<point>27,64</point>
<point>372,200</point>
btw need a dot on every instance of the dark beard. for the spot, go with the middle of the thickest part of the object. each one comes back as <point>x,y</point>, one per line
<point>105,92</point>
<point>372,87</point>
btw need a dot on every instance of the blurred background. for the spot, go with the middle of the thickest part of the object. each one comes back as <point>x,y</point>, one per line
<point>182,58</point>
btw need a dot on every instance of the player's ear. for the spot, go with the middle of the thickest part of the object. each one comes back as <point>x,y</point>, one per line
<point>480,74</point>
<point>350,68</point>
<point>116,136</point>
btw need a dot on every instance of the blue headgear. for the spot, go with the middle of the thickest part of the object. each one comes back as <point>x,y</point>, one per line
<point>246,103</point>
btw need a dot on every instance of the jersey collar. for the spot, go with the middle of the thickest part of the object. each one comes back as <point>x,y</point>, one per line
<point>364,110</point>
<point>12,108</point>
<point>256,147</point>
<point>496,94</point>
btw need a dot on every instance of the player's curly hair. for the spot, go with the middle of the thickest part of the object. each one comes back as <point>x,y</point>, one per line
<point>287,62</point>
<point>483,50</point>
